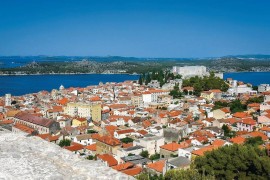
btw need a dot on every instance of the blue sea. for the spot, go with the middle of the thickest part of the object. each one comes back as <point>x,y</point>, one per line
<point>255,78</point>
<point>25,84</point>
<point>19,85</point>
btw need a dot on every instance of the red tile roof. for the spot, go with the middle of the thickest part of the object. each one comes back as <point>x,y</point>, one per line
<point>6,122</point>
<point>24,128</point>
<point>48,137</point>
<point>92,147</point>
<point>218,142</point>
<point>174,146</point>
<point>109,140</point>
<point>142,132</point>
<point>248,121</point>
<point>157,166</point>
<point>200,152</point>
<point>125,131</point>
<point>265,128</point>
<point>124,166</point>
<point>240,115</point>
<point>34,119</point>
<point>81,119</point>
<point>146,123</point>
<point>63,101</point>
<point>133,171</point>
<point>238,140</point>
<point>215,90</point>
<point>127,145</point>
<point>111,161</point>
<point>74,147</point>
<point>110,129</point>
<point>260,134</point>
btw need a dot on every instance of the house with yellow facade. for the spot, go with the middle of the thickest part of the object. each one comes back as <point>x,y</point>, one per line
<point>84,110</point>
<point>79,122</point>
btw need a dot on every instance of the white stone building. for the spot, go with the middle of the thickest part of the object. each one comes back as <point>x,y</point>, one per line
<point>190,71</point>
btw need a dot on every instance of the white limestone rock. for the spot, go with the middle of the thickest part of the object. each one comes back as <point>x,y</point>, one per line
<point>33,158</point>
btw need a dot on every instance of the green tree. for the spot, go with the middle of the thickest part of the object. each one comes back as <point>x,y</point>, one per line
<point>91,131</point>
<point>147,79</point>
<point>189,174</point>
<point>154,156</point>
<point>254,141</point>
<point>140,80</point>
<point>205,83</point>
<point>64,142</point>
<point>235,162</point>
<point>90,157</point>
<point>176,93</point>
<point>148,176</point>
<point>237,106</point>
<point>145,154</point>
<point>259,99</point>
<point>126,140</point>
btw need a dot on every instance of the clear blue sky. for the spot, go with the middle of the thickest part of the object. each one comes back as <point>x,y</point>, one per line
<point>149,28</point>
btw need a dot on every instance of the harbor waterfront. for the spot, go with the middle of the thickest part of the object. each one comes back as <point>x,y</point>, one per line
<point>24,84</point>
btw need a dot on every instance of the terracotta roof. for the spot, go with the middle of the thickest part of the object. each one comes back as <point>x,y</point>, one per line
<point>95,98</point>
<point>125,131</point>
<point>111,128</point>
<point>265,128</point>
<point>254,105</point>
<point>142,132</point>
<point>80,119</point>
<point>248,121</point>
<point>92,147</point>
<point>257,133</point>
<point>124,166</point>
<point>48,137</point>
<point>74,147</point>
<point>200,152</point>
<point>127,145</point>
<point>157,166</point>
<point>118,106</point>
<point>146,123</point>
<point>226,110</point>
<point>109,140</point>
<point>240,115</point>
<point>63,101</point>
<point>218,142</point>
<point>230,120</point>
<point>34,119</point>
<point>215,90</point>
<point>238,140</point>
<point>174,146</point>
<point>175,113</point>
<point>111,161</point>
<point>12,113</point>
<point>6,122</point>
<point>24,128</point>
<point>133,171</point>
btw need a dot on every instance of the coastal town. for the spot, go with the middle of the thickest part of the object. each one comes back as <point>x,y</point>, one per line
<point>147,126</point>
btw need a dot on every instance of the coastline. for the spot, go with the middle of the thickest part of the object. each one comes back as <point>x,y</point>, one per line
<point>132,74</point>
<point>39,74</point>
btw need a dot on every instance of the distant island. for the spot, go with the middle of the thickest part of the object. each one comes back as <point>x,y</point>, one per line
<point>127,65</point>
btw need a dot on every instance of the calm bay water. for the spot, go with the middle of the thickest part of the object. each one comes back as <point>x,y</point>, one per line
<point>255,78</point>
<point>19,85</point>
